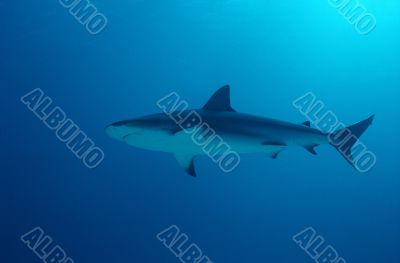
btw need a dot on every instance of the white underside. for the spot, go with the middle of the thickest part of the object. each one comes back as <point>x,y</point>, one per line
<point>184,143</point>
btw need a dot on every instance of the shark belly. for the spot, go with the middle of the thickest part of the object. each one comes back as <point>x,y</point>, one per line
<point>161,141</point>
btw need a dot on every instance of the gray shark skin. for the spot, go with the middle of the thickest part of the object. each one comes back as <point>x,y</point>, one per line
<point>244,133</point>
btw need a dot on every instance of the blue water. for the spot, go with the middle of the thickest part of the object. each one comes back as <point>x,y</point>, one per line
<point>270,52</point>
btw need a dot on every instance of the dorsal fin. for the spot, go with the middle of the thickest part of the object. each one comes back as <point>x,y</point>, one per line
<point>220,101</point>
<point>307,123</point>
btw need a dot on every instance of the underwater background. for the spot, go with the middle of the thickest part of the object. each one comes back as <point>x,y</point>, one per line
<point>270,52</point>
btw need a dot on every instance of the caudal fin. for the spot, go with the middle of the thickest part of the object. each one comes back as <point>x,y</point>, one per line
<point>345,139</point>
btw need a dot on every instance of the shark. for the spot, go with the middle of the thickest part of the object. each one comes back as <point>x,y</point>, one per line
<point>244,133</point>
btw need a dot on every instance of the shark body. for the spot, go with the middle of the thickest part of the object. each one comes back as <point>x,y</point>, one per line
<point>244,133</point>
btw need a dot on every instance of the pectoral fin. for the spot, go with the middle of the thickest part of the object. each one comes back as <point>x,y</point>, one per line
<point>186,161</point>
<point>273,149</point>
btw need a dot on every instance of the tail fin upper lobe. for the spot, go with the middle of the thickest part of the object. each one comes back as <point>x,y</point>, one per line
<point>345,139</point>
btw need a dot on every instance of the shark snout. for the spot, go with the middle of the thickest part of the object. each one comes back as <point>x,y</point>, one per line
<point>122,129</point>
<point>116,131</point>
